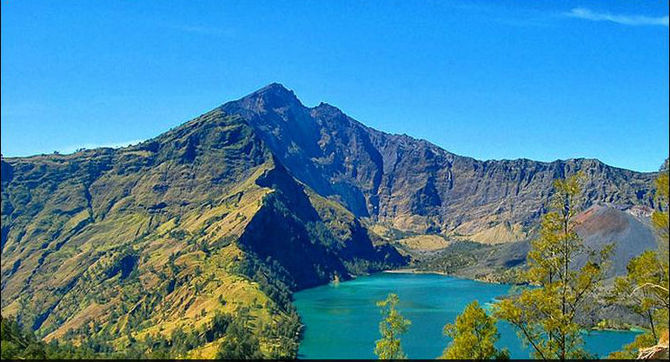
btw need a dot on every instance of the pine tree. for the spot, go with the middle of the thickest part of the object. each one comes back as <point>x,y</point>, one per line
<point>545,317</point>
<point>239,341</point>
<point>474,336</point>
<point>645,288</point>
<point>391,327</point>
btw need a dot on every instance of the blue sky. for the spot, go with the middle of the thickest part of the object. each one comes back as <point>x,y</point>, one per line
<point>489,79</point>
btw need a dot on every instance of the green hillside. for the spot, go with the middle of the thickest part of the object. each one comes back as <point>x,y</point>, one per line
<point>163,237</point>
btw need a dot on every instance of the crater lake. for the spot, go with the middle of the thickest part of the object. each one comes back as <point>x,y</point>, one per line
<point>342,321</point>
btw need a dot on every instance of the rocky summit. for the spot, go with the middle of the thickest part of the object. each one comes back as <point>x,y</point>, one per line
<point>239,207</point>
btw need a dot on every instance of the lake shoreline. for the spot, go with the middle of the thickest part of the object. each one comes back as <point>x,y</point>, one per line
<point>630,329</point>
<point>414,271</point>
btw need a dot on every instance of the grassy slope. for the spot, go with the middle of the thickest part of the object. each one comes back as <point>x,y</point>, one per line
<point>160,236</point>
<point>136,240</point>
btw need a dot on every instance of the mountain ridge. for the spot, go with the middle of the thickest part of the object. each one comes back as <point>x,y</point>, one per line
<point>318,143</point>
<point>274,85</point>
<point>300,136</point>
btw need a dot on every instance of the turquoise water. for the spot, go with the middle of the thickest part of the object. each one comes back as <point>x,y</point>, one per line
<point>341,321</point>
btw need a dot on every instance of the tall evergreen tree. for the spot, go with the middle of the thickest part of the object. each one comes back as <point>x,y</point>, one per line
<point>645,288</point>
<point>239,341</point>
<point>545,317</point>
<point>391,327</point>
<point>474,335</point>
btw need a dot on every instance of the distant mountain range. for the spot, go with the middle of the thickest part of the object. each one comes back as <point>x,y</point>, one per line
<point>253,200</point>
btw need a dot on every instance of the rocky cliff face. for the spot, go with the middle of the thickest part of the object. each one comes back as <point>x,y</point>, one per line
<point>414,185</point>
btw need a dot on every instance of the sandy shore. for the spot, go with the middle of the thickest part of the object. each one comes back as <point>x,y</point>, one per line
<point>412,271</point>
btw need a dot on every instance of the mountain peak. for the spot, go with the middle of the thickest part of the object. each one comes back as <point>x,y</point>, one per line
<point>274,87</point>
<point>327,109</point>
<point>272,96</point>
<point>275,91</point>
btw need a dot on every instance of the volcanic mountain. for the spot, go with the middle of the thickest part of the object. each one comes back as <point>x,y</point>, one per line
<point>244,204</point>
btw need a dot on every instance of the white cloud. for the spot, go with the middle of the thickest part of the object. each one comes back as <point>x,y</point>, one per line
<point>583,13</point>
<point>89,146</point>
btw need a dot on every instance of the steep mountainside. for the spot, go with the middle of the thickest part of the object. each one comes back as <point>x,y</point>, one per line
<point>232,211</point>
<point>162,235</point>
<point>414,185</point>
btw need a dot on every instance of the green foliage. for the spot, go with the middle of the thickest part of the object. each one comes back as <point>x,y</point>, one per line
<point>545,317</point>
<point>222,326</point>
<point>240,342</point>
<point>630,351</point>
<point>474,336</point>
<point>21,343</point>
<point>498,263</point>
<point>456,255</point>
<point>660,219</point>
<point>393,324</point>
<point>284,335</point>
<point>644,289</point>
